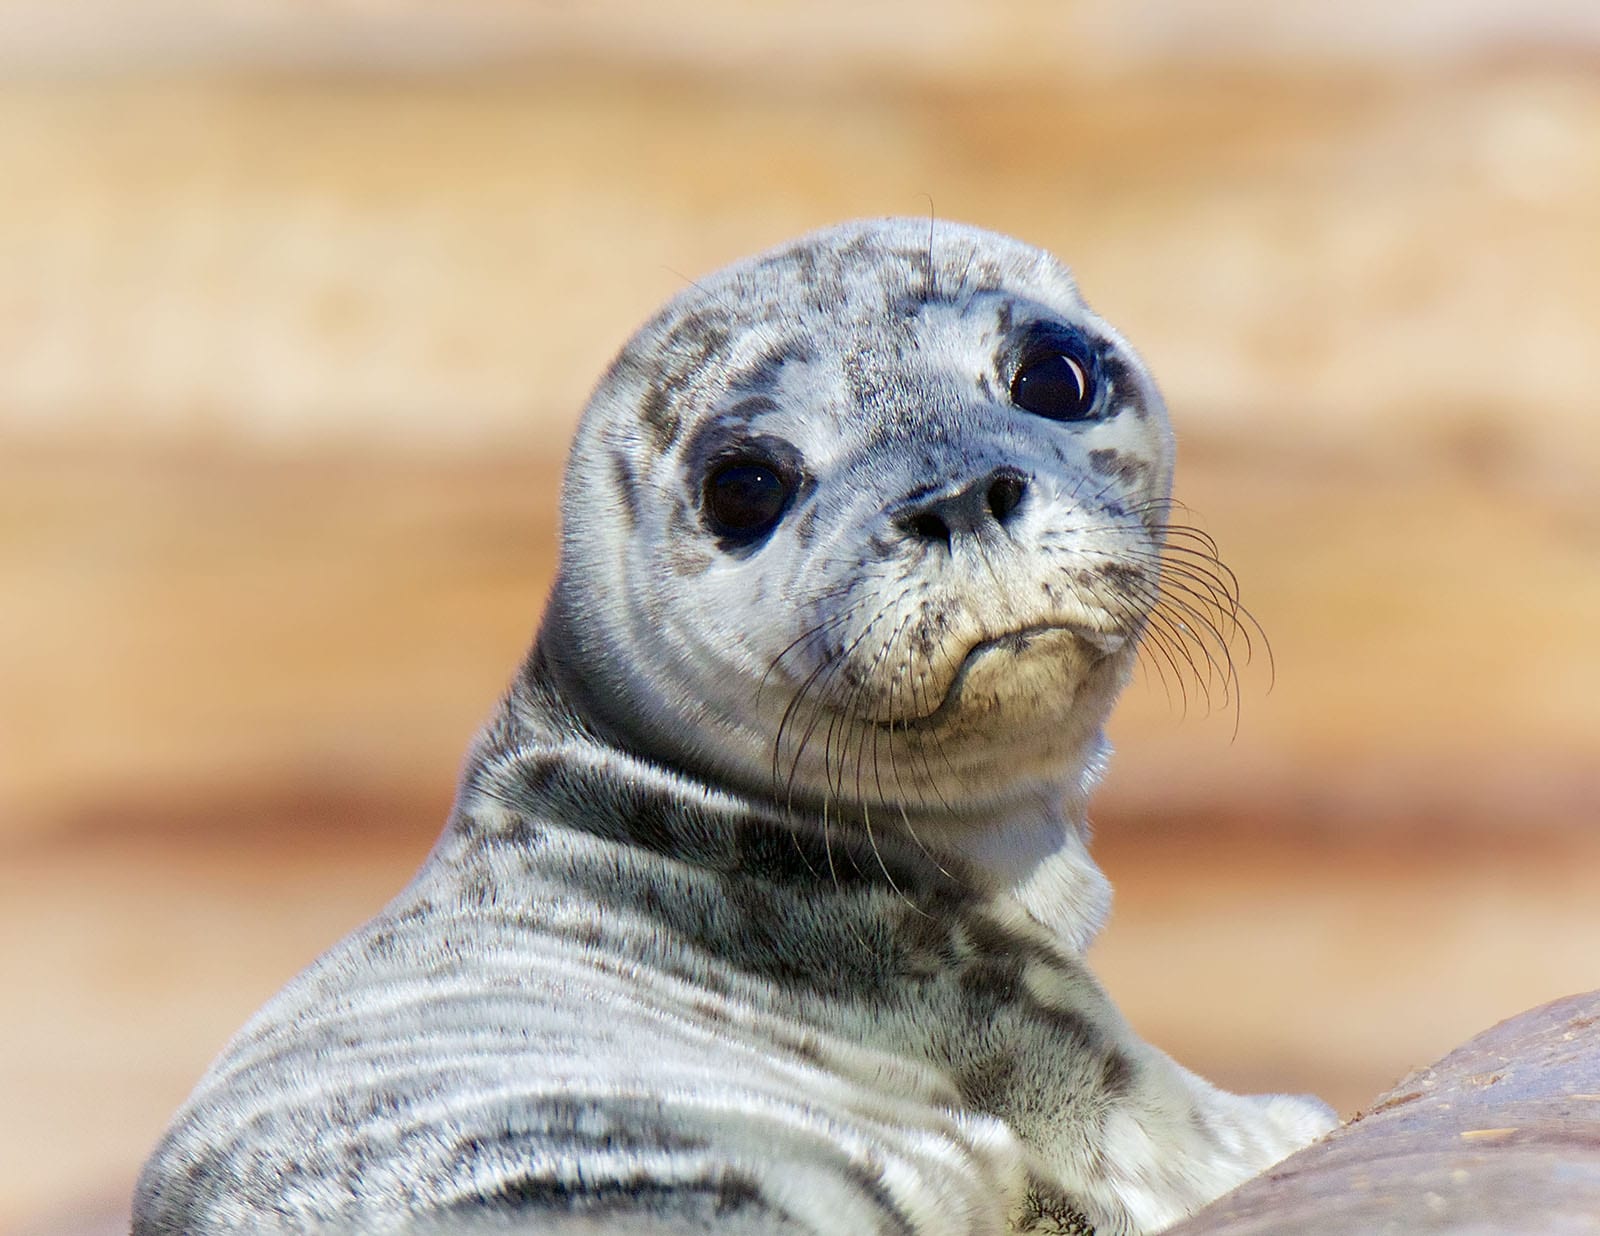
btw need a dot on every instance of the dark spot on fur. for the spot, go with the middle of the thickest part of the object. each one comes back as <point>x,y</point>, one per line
<point>765,374</point>
<point>985,1086</point>
<point>477,888</point>
<point>541,777</point>
<point>750,407</point>
<point>712,1014</point>
<point>659,416</point>
<point>698,335</point>
<point>868,1177</point>
<point>650,824</point>
<point>805,527</point>
<point>1108,462</point>
<point>522,832</point>
<point>686,561</point>
<point>415,913</point>
<point>685,543</point>
<point>1046,1212</point>
<point>805,1047</point>
<point>626,483</point>
<point>990,939</point>
<point>718,1195</point>
<point>860,245</point>
<point>805,261</point>
<point>1073,1032</point>
<point>680,357</point>
<point>1116,1074</point>
<point>1105,461</point>
<point>926,942</point>
<point>900,305</point>
<point>1122,575</point>
<point>1118,377</point>
<point>779,856</point>
<point>204,1171</point>
<point>737,1191</point>
<point>991,984</point>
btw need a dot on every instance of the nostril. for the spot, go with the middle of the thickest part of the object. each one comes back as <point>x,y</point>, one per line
<point>1005,496</point>
<point>929,527</point>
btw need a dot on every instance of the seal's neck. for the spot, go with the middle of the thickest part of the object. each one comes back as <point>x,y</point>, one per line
<point>1039,856</point>
<point>1033,852</point>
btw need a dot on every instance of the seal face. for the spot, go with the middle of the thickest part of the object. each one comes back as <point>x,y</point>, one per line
<point>762,904</point>
<point>879,518</point>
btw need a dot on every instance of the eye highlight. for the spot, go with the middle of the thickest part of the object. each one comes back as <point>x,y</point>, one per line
<point>1055,378</point>
<point>745,498</point>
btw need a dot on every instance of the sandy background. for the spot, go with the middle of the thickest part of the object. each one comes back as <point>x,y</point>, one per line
<point>298,304</point>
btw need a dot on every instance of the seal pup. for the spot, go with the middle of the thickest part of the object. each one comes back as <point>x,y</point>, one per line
<point>763,901</point>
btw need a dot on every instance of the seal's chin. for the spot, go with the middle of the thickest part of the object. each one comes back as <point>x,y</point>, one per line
<point>1034,667</point>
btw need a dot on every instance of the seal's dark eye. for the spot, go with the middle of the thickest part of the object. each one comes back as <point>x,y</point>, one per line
<point>745,498</point>
<point>1053,383</point>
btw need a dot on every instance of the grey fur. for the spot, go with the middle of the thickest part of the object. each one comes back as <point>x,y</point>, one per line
<point>762,905</point>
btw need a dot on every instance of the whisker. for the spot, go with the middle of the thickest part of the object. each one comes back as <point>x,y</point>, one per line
<point>866,813</point>
<point>1211,649</point>
<point>1155,636</point>
<point>924,707</point>
<point>825,675</point>
<point>1183,604</point>
<point>831,621</point>
<point>900,799</point>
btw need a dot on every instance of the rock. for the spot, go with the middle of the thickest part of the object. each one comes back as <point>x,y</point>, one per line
<point>1500,1138</point>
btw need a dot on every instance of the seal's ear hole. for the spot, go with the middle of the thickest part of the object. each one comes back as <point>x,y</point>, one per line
<point>745,498</point>
<point>1055,379</point>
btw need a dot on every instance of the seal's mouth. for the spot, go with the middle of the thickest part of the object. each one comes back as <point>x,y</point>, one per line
<point>1102,643</point>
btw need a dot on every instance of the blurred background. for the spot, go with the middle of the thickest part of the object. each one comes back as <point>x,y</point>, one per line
<point>299,303</point>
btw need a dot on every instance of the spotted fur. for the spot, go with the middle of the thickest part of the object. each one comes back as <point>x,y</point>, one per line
<point>763,902</point>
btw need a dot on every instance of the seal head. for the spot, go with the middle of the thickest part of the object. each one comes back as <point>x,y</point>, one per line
<point>870,525</point>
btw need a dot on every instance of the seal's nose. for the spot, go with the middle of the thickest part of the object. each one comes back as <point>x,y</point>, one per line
<point>990,501</point>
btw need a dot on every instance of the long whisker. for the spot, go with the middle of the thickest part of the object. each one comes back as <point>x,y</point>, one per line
<point>862,732</point>
<point>924,706</point>
<point>1155,637</point>
<point>1208,640</point>
<point>887,733</point>
<point>823,677</point>
<point>831,621</point>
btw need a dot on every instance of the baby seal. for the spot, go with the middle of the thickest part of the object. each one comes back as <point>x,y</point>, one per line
<point>763,901</point>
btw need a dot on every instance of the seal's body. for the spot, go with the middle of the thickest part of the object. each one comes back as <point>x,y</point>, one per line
<point>763,902</point>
